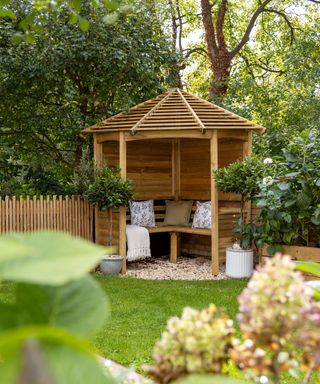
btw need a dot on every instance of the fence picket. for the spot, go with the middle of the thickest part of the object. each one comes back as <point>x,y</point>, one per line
<point>59,213</point>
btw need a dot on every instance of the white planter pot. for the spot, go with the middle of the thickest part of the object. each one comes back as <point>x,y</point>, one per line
<point>239,262</point>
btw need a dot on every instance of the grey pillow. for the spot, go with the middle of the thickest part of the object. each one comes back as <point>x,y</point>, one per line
<point>178,213</point>
<point>202,216</point>
<point>142,213</point>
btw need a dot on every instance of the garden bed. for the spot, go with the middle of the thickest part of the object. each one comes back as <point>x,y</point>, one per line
<point>296,252</point>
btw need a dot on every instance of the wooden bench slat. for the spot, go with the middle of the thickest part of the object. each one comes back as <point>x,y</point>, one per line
<point>180,229</point>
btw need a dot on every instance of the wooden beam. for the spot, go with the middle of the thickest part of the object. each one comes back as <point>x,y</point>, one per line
<point>122,210</point>
<point>167,134</point>
<point>233,134</point>
<point>194,115</point>
<point>176,168</point>
<point>214,205</point>
<point>111,136</point>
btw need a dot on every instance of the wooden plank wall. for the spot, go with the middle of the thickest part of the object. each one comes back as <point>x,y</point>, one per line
<point>148,166</point>
<point>195,179</point>
<point>58,213</point>
<point>201,245</point>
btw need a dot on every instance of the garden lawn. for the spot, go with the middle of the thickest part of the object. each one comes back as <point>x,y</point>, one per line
<point>140,309</point>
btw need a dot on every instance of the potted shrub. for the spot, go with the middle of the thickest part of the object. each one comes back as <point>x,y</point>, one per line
<point>289,220</point>
<point>106,192</point>
<point>242,178</point>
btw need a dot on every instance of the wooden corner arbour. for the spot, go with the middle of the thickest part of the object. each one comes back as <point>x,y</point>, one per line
<point>169,146</point>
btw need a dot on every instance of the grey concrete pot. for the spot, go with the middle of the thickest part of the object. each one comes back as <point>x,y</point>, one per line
<point>111,265</point>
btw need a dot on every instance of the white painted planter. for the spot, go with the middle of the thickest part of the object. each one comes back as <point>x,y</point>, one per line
<point>239,263</point>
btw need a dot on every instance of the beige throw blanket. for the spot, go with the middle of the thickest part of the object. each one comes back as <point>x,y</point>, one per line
<point>138,240</point>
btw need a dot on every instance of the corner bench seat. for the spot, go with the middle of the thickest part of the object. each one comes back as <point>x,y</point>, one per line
<point>173,230</point>
<point>227,214</point>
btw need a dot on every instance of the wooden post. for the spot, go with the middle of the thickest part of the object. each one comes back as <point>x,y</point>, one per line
<point>214,204</point>
<point>173,247</point>
<point>97,151</point>
<point>247,150</point>
<point>98,155</point>
<point>122,210</point>
<point>176,168</point>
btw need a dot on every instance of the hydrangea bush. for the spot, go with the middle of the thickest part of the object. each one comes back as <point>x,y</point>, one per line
<point>198,342</point>
<point>279,322</point>
<point>271,311</point>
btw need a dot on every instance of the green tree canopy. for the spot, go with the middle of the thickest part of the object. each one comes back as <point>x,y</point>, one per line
<point>67,79</point>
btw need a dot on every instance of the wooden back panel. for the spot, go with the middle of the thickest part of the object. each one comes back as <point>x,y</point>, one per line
<point>195,177</point>
<point>149,166</point>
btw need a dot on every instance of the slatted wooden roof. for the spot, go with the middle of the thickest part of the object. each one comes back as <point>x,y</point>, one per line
<point>174,110</point>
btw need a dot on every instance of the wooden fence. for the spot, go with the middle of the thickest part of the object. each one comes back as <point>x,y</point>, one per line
<point>69,214</point>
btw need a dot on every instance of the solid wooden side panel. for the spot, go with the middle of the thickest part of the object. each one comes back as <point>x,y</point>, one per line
<point>201,245</point>
<point>149,166</point>
<point>195,169</point>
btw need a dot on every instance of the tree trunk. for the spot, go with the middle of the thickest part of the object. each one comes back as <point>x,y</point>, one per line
<point>218,54</point>
<point>220,57</point>
<point>220,75</point>
<point>176,24</point>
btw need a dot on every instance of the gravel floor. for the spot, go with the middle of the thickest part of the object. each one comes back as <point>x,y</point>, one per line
<point>187,268</point>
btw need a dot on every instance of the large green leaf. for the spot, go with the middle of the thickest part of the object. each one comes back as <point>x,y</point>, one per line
<point>79,306</point>
<point>315,285</point>
<point>47,353</point>
<point>309,266</point>
<point>210,379</point>
<point>49,258</point>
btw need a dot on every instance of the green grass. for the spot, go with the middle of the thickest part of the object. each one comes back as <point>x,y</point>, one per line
<point>140,309</point>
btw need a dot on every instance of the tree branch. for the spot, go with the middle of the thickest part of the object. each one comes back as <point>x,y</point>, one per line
<point>195,50</point>
<point>220,23</point>
<point>284,16</point>
<point>315,1</point>
<point>268,69</point>
<point>247,33</point>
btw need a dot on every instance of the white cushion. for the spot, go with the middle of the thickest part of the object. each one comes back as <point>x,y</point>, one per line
<point>202,216</point>
<point>142,213</point>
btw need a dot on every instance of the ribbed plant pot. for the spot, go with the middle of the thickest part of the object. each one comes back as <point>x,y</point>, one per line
<point>111,265</point>
<point>239,263</point>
